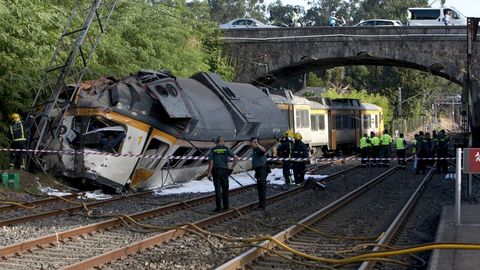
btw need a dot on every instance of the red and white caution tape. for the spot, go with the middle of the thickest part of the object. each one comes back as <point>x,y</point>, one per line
<point>91,152</point>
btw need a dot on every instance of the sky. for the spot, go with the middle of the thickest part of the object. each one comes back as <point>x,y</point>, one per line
<point>469,8</point>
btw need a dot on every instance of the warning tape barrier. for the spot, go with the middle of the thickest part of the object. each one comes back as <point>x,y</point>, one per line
<point>91,152</point>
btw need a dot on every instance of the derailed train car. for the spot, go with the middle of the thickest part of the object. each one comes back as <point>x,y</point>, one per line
<point>155,113</point>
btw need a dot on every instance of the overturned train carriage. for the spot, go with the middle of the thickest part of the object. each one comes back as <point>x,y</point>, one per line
<point>155,113</point>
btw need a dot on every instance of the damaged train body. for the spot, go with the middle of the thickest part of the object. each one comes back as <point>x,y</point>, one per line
<point>155,113</point>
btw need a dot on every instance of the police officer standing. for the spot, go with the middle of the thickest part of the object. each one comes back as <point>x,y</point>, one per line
<point>300,151</point>
<point>375,142</point>
<point>442,152</point>
<point>17,134</point>
<point>285,151</point>
<point>259,164</point>
<point>218,168</point>
<point>401,144</point>
<point>385,141</point>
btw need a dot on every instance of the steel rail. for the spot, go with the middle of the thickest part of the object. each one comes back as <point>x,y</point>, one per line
<point>69,210</point>
<point>176,233</point>
<point>53,238</point>
<point>36,202</point>
<point>399,221</point>
<point>263,247</point>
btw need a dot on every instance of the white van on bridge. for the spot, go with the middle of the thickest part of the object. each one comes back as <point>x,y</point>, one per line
<point>435,16</point>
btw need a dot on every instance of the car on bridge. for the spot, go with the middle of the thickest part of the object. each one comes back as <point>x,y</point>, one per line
<point>245,23</point>
<point>379,22</point>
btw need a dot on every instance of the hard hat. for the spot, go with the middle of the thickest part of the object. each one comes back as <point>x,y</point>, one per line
<point>297,136</point>
<point>15,117</point>
<point>288,133</point>
<point>333,13</point>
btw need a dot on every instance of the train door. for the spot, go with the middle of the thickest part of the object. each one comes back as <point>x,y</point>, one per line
<point>157,146</point>
<point>358,130</point>
<point>332,132</point>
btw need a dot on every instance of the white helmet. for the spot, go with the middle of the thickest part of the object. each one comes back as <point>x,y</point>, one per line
<point>333,13</point>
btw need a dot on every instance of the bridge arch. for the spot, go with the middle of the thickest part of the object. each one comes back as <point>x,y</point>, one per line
<point>279,76</point>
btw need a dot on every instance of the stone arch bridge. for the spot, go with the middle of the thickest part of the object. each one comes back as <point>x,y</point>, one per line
<point>269,56</point>
<point>275,53</point>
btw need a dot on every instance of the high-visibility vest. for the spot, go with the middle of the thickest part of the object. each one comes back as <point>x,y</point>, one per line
<point>363,142</point>
<point>400,143</point>
<point>375,141</point>
<point>414,148</point>
<point>17,132</point>
<point>386,139</point>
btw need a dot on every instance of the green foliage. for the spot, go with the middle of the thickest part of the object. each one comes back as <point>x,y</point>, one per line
<point>288,15</point>
<point>365,97</point>
<point>141,35</point>
<point>222,11</point>
<point>314,81</point>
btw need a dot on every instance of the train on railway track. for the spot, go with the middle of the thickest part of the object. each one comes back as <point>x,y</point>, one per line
<point>157,114</point>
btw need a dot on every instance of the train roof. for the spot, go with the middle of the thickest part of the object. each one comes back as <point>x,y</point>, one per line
<point>370,106</point>
<point>201,107</point>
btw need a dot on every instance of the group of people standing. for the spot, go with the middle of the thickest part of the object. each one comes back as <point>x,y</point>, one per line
<point>218,168</point>
<point>292,147</point>
<point>375,150</point>
<point>428,148</point>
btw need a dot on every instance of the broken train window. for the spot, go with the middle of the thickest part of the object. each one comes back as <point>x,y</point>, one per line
<point>98,133</point>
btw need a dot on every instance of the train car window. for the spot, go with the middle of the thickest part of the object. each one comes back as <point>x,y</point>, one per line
<point>171,90</point>
<point>366,121</point>
<point>104,135</point>
<point>181,151</point>
<point>196,153</point>
<point>314,122</point>
<point>155,147</point>
<point>376,121</point>
<point>338,122</point>
<point>302,119</point>
<point>161,91</point>
<point>243,151</point>
<point>285,115</point>
<point>346,122</point>
<point>321,121</point>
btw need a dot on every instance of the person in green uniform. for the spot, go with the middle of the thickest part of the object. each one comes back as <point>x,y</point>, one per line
<point>385,144</point>
<point>401,144</point>
<point>375,142</point>
<point>259,164</point>
<point>364,149</point>
<point>218,169</point>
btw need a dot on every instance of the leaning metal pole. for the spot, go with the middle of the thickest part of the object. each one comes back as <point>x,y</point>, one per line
<point>69,63</point>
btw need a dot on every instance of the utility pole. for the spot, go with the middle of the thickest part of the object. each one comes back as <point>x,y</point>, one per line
<point>399,103</point>
<point>472,94</point>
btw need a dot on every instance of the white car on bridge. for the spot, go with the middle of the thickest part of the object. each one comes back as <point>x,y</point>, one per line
<point>245,23</point>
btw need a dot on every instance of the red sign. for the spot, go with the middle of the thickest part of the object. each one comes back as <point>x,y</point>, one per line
<point>471,160</point>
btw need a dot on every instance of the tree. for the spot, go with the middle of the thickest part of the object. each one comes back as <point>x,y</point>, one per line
<point>142,35</point>
<point>222,11</point>
<point>289,15</point>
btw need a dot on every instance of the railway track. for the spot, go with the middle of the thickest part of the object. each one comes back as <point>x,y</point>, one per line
<point>83,243</point>
<point>366,211</point>
<point>193,252</point>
